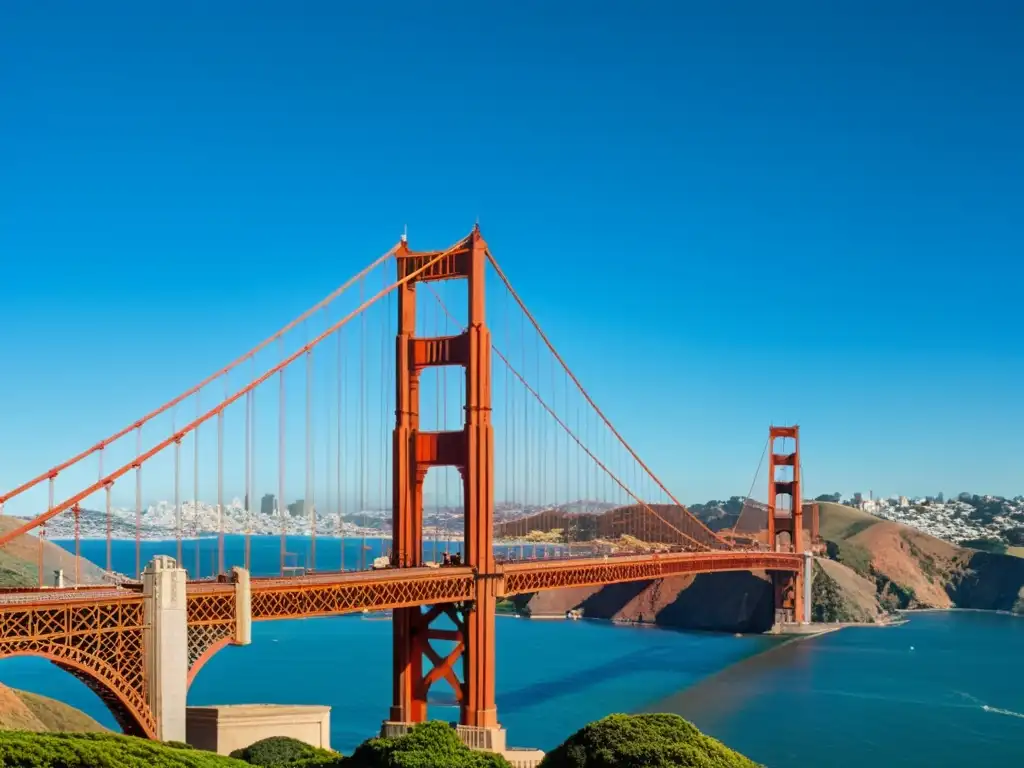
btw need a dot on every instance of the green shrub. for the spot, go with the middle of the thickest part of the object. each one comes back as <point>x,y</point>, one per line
<point>643,741</point>
<point>20,749</point>
<point>281,751</point>
<point>427,745</point>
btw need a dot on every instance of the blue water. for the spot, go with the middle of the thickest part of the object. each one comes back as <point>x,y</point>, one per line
<point>199,556</point>
<point>845,699</point>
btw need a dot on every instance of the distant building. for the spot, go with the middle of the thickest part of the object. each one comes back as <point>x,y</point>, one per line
<point>297,508</point>
<point>904,501</point>
<point>268,504</point>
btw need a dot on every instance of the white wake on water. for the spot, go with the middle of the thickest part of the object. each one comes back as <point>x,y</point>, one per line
<point>994,710</point>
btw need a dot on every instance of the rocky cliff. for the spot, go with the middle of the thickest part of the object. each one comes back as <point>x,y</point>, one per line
<point>873,567</point>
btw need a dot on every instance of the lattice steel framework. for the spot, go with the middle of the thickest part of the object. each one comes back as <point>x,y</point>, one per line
<point>212,622</point>
<point>347,593</point>
<point>522,578</point>
<point>97,639</point>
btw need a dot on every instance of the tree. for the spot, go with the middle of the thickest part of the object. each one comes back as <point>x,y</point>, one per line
<point>91,750</point>
<point>643,741</point>
<point>425,746</point>
<point>1014,537</point>
<point>986,545</point>
<point>279,752</point>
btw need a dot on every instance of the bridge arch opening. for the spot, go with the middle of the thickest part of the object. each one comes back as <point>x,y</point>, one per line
<point>783,541</point>
<point>43,675</point>
<point>443,512</point>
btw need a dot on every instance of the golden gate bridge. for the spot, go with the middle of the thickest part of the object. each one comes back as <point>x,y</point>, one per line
<point>423,383</point>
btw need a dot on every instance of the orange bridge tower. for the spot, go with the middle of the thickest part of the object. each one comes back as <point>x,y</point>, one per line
<point>785,521</point>
<point>471,450</point>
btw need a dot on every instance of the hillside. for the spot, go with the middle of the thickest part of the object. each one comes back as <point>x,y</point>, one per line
<point>911,569</point>
<point>23,711</point>
<point>19,558</point>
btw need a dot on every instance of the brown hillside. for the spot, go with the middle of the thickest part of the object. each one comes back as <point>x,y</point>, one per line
<point>912,559</point>
<point>23,711</point>
<point>858,594</point>
<point>18,560</point>
<point>728,602</point>
<point>914,570</point>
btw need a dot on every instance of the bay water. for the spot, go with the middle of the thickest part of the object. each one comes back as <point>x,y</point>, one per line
<point>945,689</point>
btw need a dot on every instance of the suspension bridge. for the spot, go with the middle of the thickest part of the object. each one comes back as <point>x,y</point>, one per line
<point>399,408</point>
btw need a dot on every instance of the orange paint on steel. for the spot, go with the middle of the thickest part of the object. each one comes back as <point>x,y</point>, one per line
<point>469,449</point>
<point>536,576</point>
<point>188,393</point>
<point>144,457</point>
<point>97,639</point>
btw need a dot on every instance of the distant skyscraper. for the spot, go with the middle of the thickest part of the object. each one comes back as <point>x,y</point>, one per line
<point>297,508</point>
<point>267,504</point>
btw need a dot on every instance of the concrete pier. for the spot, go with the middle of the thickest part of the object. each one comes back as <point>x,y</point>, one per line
<point>165,642</point>
<point>224,729</point>
<point>808,576</point>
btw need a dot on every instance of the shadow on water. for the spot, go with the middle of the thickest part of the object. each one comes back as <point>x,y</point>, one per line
<point>598,677</point>
<point>716,694</point>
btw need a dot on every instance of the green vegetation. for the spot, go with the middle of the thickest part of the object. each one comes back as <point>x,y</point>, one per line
<point>1014,537</point>
<point>425,746</point>
<point>838,523</point>
<point>893,596</point>
<point>855,557</point>
<point>828,603</point>
<point>101,750</point>
<point>281,751</point>
<point>16,573</point>
<point>505,606</point>
<point>643,741</point>
<point>986,545</point>
<point>618,741</point>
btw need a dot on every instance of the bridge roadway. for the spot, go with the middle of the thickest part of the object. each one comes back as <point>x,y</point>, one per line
<point>333,593</point>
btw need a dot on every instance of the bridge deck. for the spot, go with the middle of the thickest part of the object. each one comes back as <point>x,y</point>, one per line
<point>333,593</point>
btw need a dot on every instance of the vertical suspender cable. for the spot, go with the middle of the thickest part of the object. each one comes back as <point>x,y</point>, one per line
<point>77,512</point>
<point>250,475</point>
<point>341,411</point>
<point>195,487</point>
<point>177,488</point>
<point>138,505</point>
<point>177,499</point>
<point>42,531</point>
<point>384,425</point>
<point>110,526</point>
<point>310,500</point>
<point>281,506</point>
<point>362,429</point>
<point>220,484</point>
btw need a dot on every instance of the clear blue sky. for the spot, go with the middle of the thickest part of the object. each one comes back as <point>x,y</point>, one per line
<point>790,212</point>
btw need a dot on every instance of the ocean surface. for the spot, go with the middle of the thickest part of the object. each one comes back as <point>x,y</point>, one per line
<point>945,689</point>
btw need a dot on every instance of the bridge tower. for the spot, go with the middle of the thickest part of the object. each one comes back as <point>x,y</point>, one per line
<point>785,519</point>
<point>471,450</point>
